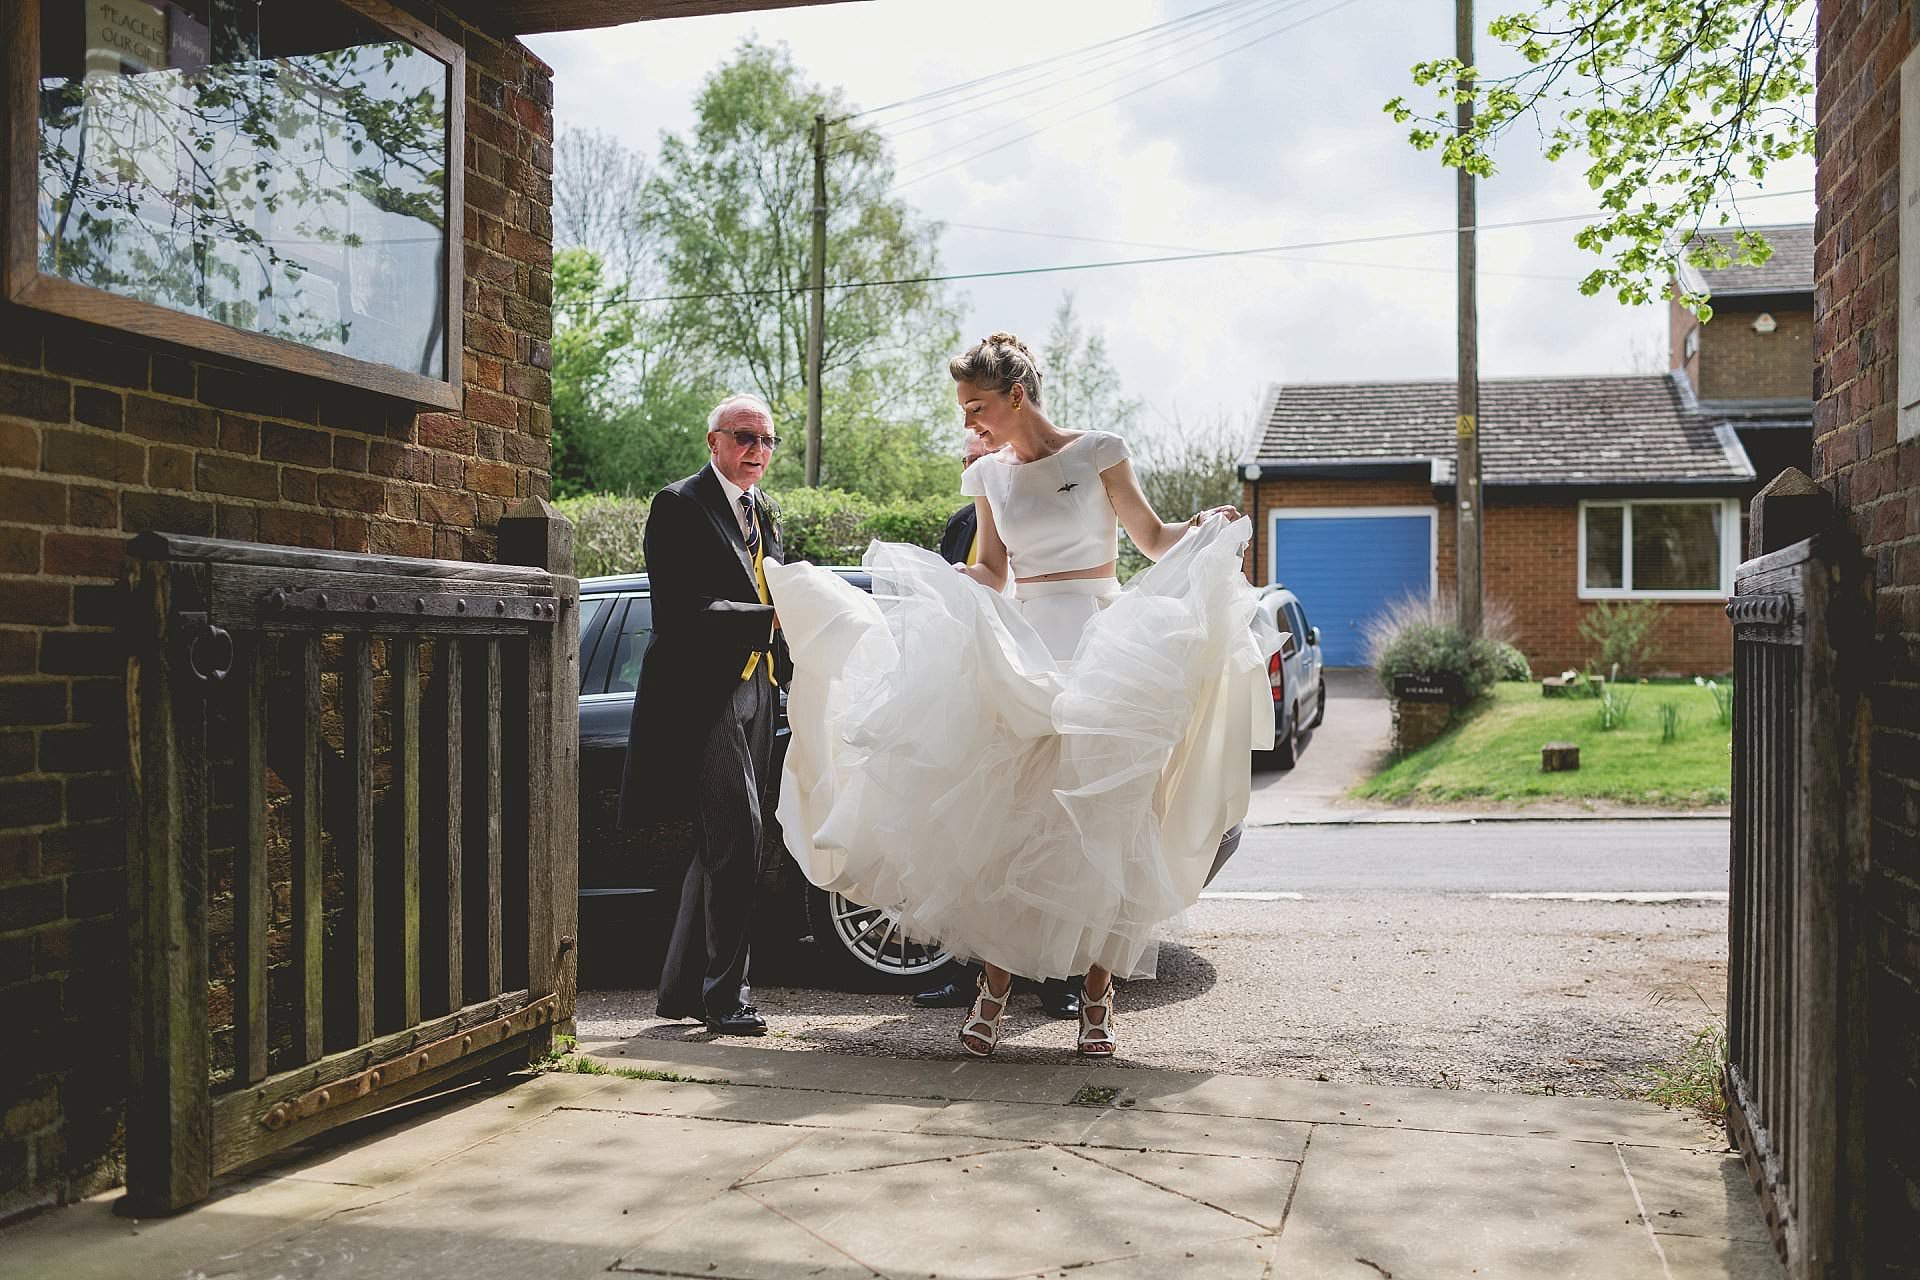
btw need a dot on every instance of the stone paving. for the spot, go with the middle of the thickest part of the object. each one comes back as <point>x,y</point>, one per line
<point>758,1165</point>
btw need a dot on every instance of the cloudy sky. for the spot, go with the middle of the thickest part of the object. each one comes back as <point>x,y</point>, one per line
<point>1279,142</point>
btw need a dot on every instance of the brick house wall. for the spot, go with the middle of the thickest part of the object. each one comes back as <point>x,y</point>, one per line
<point>1875,479</point>
<point>105,435</point>
<point>1531,564</point>
<point>1738,363</point>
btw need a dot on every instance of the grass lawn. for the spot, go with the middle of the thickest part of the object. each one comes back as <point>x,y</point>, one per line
<point>1493,753</point>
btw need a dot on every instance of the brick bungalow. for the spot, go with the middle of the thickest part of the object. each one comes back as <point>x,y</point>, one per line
<point>392,398</point>
<point>1597,488</point>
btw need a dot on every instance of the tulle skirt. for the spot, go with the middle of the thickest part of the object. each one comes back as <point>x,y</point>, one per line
<point>1038,782</point>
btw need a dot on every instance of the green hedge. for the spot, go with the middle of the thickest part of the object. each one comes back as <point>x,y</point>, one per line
<point>826,526</point>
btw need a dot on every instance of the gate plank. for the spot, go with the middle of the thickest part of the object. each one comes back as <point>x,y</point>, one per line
<point>169,1160</point>
<point>450,655</point>
<point>403,657</point>
<point>494,794</point>
<point>239,1136</point>
<point>309,921</point>
<point>251,890</point>
<point>358,707</point>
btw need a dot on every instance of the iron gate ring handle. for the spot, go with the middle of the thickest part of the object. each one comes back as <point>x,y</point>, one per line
<point>210,654</point>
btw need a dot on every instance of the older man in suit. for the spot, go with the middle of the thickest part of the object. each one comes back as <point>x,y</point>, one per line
<point>702,738</point>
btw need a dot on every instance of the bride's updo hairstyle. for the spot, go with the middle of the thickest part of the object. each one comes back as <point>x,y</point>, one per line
<point>996,362</point>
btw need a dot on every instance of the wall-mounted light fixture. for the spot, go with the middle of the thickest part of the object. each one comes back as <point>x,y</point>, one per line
<point>1764,323</point>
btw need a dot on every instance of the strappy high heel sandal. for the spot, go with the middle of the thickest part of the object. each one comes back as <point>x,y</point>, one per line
<point>1096,1038</point>
<point>979,1026</point>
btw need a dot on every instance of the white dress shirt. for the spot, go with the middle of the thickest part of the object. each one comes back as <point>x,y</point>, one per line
<point>733,492</point>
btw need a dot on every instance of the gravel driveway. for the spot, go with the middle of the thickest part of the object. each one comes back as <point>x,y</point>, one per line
<point>1449,990</point>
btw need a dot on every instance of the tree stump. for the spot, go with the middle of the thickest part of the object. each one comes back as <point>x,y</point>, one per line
<point>1559,757</point>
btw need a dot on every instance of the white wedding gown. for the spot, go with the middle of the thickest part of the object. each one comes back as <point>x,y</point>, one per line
<point>1040,814</point>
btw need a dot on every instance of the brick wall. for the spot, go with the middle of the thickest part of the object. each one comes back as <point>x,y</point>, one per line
<point>1877,482</point>
<point>104,436</point>
<point>1737,363</point>
<point>1531,565</point>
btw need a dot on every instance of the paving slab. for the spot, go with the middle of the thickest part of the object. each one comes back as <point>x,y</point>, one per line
<point>830,1151</point>
<point>1696,1193</point>
<point>1247,1187</point>
<point>1454,1204</point>
<point>1007,1213</point>
<point>737,1237</point>
<point>566,1196</point>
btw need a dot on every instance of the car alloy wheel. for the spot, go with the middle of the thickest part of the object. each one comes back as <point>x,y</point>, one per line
<point>872,940</point>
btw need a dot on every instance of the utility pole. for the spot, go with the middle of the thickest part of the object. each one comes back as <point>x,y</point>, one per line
<point>1466,465</point>
<point>817,298</point>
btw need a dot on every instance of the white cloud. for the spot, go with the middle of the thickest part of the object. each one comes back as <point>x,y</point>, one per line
<point>1282,143</point>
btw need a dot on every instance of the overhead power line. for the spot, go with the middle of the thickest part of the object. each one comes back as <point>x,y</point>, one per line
<point>1195,256</point>
<point>1053,80</point>
<point>1067,55</point>
<point>1276,257</point>
<point>1138,89</point>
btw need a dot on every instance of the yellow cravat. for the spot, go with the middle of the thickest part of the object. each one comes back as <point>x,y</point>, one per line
<point>973,549</point>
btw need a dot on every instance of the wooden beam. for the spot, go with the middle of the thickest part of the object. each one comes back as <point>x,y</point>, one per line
<point>526,17</point>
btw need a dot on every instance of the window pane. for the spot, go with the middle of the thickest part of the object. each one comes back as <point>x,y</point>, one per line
<point>1604,546</point>
<point>591,607</point>
<point>280,168</point>
<point>1676,547</point>
<point>636,629</point>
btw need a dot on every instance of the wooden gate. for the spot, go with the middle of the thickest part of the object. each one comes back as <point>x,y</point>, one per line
<point>1795,993</point>
<point>351,836</point>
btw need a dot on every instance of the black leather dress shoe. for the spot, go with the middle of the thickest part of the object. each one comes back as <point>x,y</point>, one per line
<point>1060,997</point>
<point>744,1021</point>
<point>951,996</point>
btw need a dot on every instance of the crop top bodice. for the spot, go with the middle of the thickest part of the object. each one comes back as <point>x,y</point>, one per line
<point>1053,513</point>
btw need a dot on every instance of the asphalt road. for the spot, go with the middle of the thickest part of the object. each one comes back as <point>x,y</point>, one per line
<point>1487,857</point>
<point>1395,963</point>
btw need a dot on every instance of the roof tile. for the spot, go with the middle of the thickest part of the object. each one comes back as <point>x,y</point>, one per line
<point>1630,429</point>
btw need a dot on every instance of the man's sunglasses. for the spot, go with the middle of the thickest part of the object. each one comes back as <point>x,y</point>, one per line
<point>748,439</point>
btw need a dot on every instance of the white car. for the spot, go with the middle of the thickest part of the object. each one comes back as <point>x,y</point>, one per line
<point>1296,673</point>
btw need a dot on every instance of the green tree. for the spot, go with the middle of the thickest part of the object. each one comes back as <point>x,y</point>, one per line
<point>729,206</point>
<point>1673,105</point>
<point>629,413</point>
<point>1081,390</point>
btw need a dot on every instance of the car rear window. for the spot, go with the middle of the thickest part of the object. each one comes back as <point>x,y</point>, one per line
<point>636,628</point>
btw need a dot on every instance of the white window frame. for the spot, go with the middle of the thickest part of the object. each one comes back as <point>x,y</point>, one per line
<point>1276,514</point>
<point>1729,548</point>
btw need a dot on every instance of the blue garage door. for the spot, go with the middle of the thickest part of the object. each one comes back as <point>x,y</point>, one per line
<point>1346,569</point>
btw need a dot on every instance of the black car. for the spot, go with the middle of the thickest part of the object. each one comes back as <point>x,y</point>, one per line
<point>628,881</point>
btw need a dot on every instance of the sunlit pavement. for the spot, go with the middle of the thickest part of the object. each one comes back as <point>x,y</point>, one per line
<point>769,1164</point>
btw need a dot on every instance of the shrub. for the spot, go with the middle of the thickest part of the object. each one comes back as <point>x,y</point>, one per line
<point>606,533</point>
<point>1420,637</point>
<point>825,526</point>
<point>919,521</point>
<point>1622,632</point>
<point>1513,663</point>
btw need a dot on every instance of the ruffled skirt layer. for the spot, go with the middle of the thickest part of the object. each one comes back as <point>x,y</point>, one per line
<point>1039,783</point>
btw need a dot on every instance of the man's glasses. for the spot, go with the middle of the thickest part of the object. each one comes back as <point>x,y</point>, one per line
<point>748,439</point>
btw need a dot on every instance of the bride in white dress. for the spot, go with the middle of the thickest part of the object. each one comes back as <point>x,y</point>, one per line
<point>1038,780</point>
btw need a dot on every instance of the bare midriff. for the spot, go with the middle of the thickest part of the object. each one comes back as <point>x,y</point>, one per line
<point>1068,575</point>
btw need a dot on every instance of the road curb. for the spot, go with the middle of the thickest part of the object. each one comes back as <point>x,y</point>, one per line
<point>1431,818</point>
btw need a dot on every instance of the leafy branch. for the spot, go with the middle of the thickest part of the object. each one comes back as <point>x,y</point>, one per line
<point>1674,106</point>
